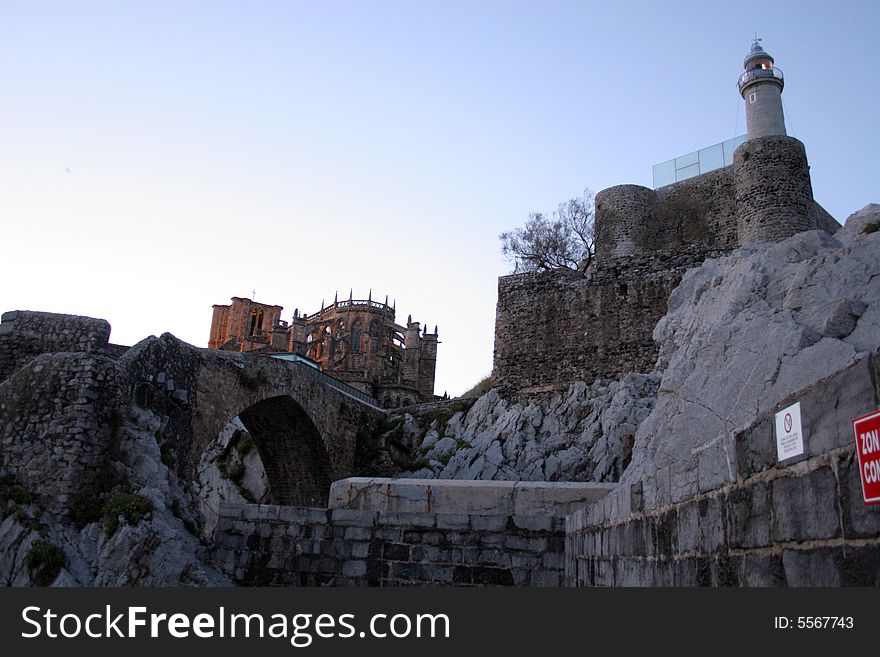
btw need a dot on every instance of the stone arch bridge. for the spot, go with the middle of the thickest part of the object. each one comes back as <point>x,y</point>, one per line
<point>61,368</point>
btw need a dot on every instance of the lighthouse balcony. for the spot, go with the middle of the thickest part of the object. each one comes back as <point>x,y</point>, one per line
<point>753,75</point>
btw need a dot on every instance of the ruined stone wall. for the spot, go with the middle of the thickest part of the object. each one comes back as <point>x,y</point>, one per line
<point>632,220</point>
<point>699,209</point>
<point>774,196</point>
<point>263,545</point>
<point>59,415</point>
<point>26,334</point>
<point>796,523</point>
<point>555,327</point>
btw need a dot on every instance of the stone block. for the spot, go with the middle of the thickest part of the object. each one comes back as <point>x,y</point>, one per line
<point>489,523</point>
<point>762,570</point>
<point>353,517</point>
<point>358,533</point>
<point>354,568</point>
<point>713,524</point>
<point>395,552</point>
<point>817,567</point>
<point>748,510</point>
<point>545,578</point>
<point>533,523</point>
<point>860,566</point>
<point>453,521</point>
<point>805,507</point>
<point>487,576</point>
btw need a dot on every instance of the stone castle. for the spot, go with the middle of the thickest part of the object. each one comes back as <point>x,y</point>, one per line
<point>356,341</point>
<point>698,495</point>
<point>559,326</point>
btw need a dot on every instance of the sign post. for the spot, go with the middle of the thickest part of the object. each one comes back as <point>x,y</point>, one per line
<point>789,437</point>
<point>867,434</point>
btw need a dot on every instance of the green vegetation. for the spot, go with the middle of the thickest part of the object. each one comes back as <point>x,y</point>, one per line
<point>47,559</point>
<point>443,414</point>
<point>480,388</point>
<point>88,506</point>
<point>10,489</point>
<point>244,443</point>
<point>132,507</point>
<point>167,451</point>
<point>871,228</point>
<point>252,381</point>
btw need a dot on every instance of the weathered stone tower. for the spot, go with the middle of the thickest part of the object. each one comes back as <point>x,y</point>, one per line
<point>773,193</point>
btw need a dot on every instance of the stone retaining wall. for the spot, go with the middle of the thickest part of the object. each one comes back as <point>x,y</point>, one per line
<point>796,523</point>
<point>500,498</point>
<point>261,545</point>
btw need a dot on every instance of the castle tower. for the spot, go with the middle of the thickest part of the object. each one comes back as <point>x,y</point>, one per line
<point>761,85</point>
<point>772,189</point>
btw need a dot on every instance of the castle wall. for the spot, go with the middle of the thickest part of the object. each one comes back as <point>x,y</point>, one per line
<point>774,196</point>
<point>26,334</point>
<point>555,327</point>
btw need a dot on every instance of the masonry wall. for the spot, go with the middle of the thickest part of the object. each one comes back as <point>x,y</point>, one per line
<point>774,196</point>
<point>555,327</point>
<point>26,334</point>
<point>262,545</point>
<point>797,523</point>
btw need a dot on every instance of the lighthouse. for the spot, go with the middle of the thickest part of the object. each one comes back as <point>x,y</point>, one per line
<point>761,85</point>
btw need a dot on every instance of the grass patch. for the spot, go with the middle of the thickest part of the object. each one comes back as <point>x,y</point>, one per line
<point>132,507</point>
<point>480,389</point>
<point>443,414</point>
<point>47,560</point>
<point>871,228</point>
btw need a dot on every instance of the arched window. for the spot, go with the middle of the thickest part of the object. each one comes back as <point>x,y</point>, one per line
<point>374,329</point>
<point>356,335</point>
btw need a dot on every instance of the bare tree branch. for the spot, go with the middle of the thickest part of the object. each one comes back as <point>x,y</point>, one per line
<point>568,239</point>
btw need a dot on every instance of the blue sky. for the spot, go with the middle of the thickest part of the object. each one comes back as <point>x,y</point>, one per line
<point>302,148</point>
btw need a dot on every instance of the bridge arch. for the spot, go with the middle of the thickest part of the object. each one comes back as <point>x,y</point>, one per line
<point>292,451</point>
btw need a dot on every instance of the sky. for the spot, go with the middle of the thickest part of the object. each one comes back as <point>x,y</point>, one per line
<point>160,157</point>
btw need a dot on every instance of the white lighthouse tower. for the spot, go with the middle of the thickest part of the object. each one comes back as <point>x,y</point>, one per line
<point>761,85</point>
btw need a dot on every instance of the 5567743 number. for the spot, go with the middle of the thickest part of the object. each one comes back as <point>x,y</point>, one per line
<point>813,622</point>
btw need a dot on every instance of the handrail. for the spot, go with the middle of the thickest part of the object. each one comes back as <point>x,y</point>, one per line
<point>759,73</point>
<point>344,388</point>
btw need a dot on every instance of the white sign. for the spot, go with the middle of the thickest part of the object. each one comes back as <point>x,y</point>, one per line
<point>789,437</point>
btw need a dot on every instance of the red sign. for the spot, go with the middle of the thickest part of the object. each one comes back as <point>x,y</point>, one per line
<point>867,432</point>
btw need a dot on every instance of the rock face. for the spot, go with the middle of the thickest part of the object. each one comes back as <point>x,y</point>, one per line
<point>149,538</point>
<point>745,331</point>
<point>230,471</point>
<point>584,434</point>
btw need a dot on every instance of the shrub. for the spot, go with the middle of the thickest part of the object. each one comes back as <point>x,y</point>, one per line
<point>132,507</point>
<point>47,559</point>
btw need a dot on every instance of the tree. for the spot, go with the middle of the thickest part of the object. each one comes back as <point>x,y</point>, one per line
<point>566,239</point>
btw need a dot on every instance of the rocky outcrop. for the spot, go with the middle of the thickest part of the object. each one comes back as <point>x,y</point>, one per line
<point>135,525</point>
<point>583,434</point>
<point>745,331</point>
